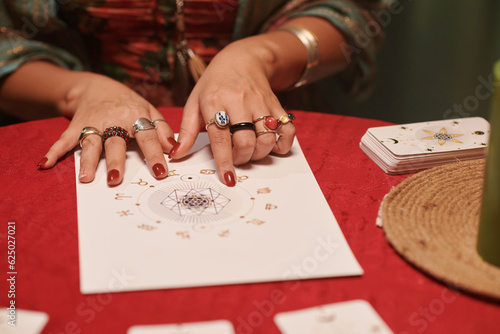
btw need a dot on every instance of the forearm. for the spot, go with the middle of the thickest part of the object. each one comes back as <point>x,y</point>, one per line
<point>285,57</point>
<point>40,89</point>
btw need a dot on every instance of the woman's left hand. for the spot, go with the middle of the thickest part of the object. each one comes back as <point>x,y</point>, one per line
<point>237,82</point>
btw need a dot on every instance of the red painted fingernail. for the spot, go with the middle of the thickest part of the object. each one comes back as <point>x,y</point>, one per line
<point>229,179</point>
<point>42,162</point>
<point>158,169</point>
<point>113,175</point>
<point>174,149</point>
<point>172,141</point>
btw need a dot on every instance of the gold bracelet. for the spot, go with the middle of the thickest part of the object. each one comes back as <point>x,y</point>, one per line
<point>310,42</point>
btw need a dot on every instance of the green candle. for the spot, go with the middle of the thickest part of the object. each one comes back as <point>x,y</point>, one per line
<point>488,243</point>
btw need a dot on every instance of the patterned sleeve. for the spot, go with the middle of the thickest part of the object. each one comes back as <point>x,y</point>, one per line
<point>359,22</point>
<point>30,30</point>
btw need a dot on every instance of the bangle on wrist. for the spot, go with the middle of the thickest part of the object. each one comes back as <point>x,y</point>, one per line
<point>310,42</point>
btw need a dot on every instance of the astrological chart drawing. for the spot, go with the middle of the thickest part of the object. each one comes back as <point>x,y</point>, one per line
<point>189,229</point>
<point>189,204</point>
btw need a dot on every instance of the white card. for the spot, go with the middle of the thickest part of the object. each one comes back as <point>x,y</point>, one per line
<point>351,317</point>
<point>432,137</point>
<point>23,322</point>
<point>191,230</point>
<point>206,327</point>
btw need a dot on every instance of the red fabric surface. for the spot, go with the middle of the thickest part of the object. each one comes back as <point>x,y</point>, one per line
<point>43,205</point>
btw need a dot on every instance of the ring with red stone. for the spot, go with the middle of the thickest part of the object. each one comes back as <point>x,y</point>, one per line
<point>284,119</point>
<point>116,131</point>
<point>270,123</point>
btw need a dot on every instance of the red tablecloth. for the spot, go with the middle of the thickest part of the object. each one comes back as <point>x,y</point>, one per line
<point>43,205</point>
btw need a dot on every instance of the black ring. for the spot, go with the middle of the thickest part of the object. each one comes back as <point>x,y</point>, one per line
<point>242,126</point>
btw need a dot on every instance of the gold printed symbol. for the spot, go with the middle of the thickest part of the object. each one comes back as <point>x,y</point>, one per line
<point>125,213</point>
<point>141,183</point>
<point>443,136</point>
<point>120,196</point>
<point>146,227</point>
<point>256,221</point>
<point>172,173</point>
<point>271,206</point>
<point>224,234</point>
<point>242,178</point>
<point>265,190</point>
<point>184,235</point>
<point>207,171</point>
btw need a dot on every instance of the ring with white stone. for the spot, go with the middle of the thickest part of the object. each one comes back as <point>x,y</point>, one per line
<point>221,119</point>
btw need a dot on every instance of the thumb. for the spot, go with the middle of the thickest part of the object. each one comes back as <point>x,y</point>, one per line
<point>189,130</point>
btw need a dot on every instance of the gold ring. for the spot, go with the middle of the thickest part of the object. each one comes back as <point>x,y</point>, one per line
<point>264,132</point>
<point>87,131</point>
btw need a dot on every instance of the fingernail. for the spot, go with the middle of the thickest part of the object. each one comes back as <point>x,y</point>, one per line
<point>174,149</point>
<point>42,162</point>
<point>82,174</point>
<point>158,169</point>
<point>113,175</point>
<point>172,141</point>
<point>229,179</point>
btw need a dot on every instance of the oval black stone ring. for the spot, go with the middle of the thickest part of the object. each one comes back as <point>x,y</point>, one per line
<point>242,126</point>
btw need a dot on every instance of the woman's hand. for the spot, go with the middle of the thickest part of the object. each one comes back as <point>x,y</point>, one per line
<point>100,102</point>
<point>236,81</point>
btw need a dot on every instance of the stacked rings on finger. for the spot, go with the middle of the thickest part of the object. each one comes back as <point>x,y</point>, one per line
<point>270,123</point>
<point>87,131</point>
<point>143,124</point>
<point>242,126</point>
<point>221,119</point>
<point>116,131</point>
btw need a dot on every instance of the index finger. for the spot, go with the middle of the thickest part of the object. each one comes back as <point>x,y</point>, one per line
<point>220,141</point>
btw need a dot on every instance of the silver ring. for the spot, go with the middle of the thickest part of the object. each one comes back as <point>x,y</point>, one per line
<point>158,121</point>
<point>87,131</point>
<point>143,124</point>
<point>221,119</point>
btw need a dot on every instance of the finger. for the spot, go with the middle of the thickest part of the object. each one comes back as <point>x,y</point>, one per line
<point>115,149</point>
<point>163,130</point>
<point>243,146</point>
<point>63,145</point>
<point>286,134</point>
<point>190,127</point>
<point>91,151</point>
<point>266,140</point>
<point>220,142</point>
<point>151,148</point>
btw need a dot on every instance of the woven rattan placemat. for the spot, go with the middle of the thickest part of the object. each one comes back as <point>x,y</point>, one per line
<point>431,219</point>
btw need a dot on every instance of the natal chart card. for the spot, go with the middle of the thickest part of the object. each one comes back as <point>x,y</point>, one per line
<point>191,230</point>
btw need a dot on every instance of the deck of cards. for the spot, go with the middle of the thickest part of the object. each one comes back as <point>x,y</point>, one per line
<point>408,148</point>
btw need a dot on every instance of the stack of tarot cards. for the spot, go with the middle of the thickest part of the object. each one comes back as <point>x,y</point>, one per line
<point>407,148</point>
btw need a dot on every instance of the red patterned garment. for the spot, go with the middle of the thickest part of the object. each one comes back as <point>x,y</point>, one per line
<point>133,41</point>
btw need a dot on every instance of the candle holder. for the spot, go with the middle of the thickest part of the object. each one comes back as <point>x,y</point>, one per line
<point>488,242</point>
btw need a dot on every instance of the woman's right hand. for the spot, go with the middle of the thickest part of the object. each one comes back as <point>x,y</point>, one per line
<point>100,102</point>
